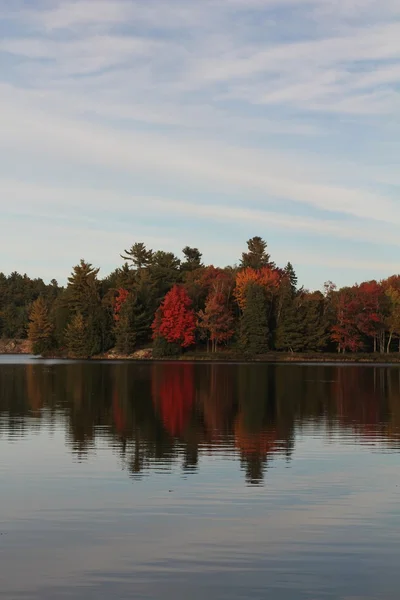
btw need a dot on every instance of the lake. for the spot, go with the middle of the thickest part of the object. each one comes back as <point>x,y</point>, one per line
<point>192,481</point>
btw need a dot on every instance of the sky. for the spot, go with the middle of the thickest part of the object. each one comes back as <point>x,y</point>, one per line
<point>201,123</point>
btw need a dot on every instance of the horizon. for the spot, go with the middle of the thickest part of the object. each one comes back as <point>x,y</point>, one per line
<point>175,125</point>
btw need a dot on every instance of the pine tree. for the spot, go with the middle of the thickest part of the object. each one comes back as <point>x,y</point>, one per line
<point>138,255</point>
<point>76,337</point>
<point>41,329</point>
<point>257,256</point>
<point>192,259</point>
<point>82,293</point>
<point>289,334</point>
<point>133,326</point>
<point>254,330</point>
<point>291,275</point>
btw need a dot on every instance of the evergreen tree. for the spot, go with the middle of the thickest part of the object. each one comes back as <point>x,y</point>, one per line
<point>40,331</point>
<point>133,326</point>
<point>83,297</point>
<point>165,272</point>
<point>257,256</point>
<point>254,330</point>
<point>192,259</point>
<point>78,345</point>
<point>289,332</point>
<point>83,289</point>
<point>138,255</point>
<point>291,275</point>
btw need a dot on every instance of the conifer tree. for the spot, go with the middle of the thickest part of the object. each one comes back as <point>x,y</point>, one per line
<point>192,259</point>
<point>41,329</point>
<point>291,275</point>
<point>133,325</point>
<point>254,330</point>
<point>138,255</point>
<point>76,337</point>
<point>257,256</point>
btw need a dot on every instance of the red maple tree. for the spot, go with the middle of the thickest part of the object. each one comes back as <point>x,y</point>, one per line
<point>217,319</point>
<point>176,320</point>
<point>119,301</point>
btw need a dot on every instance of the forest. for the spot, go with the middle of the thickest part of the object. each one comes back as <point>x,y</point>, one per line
<point>171,305</point>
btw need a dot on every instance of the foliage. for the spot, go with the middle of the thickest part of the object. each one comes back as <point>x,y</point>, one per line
<point>76,337</point>
<point>40,332</point>
<point>176,321</point>
<point>216,320</point>
<point>254,330</point>
<point>188,301</point>
<point>266,277</point>
<point>256,257</point>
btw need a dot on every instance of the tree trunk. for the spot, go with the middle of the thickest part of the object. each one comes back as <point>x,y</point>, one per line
<point>374,343</point>
<point>388,344</point>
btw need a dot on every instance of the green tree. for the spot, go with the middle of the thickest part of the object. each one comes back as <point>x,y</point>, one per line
<point>256,256</point>
<point>165,272</point>
<point>254,329</point>
<point>138,255</point>
<point>40,332</point>
<point>83,288</point>
<point>76,337</point>
<point>83,297</point>
<point>292,277</point>
<point>133,326</point>
<point>192,260</point>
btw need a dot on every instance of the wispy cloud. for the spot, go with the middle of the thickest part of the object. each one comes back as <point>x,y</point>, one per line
<point>273,103</point>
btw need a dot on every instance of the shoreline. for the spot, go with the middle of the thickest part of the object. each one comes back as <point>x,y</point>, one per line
<point>22,348</point>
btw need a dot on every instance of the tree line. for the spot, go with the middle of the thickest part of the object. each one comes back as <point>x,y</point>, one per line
<point>176,305</point>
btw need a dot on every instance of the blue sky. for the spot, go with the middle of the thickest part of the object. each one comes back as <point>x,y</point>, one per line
<point>201,123</point>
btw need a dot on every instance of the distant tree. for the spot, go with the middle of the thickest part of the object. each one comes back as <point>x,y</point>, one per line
<point>138,255</point>
<point>266,277</point>
<point>40,332</point>
<point>393,317</point>
<point>133,324</point>
<point>76,337</point>
<point>192,259</point>
<point>254,329</point>
<point>257,255</point>
<point>216,320</point>
<point>292,277</point>
<point>82,293</point>
<point>164,272</point>
<point>175,320</point>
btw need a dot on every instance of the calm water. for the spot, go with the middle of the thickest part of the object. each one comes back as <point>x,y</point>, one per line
<point>182,481</point>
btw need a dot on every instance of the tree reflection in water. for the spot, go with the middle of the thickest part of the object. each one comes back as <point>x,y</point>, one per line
<point>159,415</point>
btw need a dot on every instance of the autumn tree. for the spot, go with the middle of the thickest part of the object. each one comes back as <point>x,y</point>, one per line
<point>41,329</point>
<point>266,277</point>
<point>393,317</point>
<point>175,321</point>
<point>345,331</point>
<point>254,330</point>
<point>216,320</point>
<point>256,256</point>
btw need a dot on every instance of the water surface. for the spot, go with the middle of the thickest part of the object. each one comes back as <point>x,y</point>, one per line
<point>178,480</point>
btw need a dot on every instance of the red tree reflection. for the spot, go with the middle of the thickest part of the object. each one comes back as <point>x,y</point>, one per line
<point>173,395</point>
